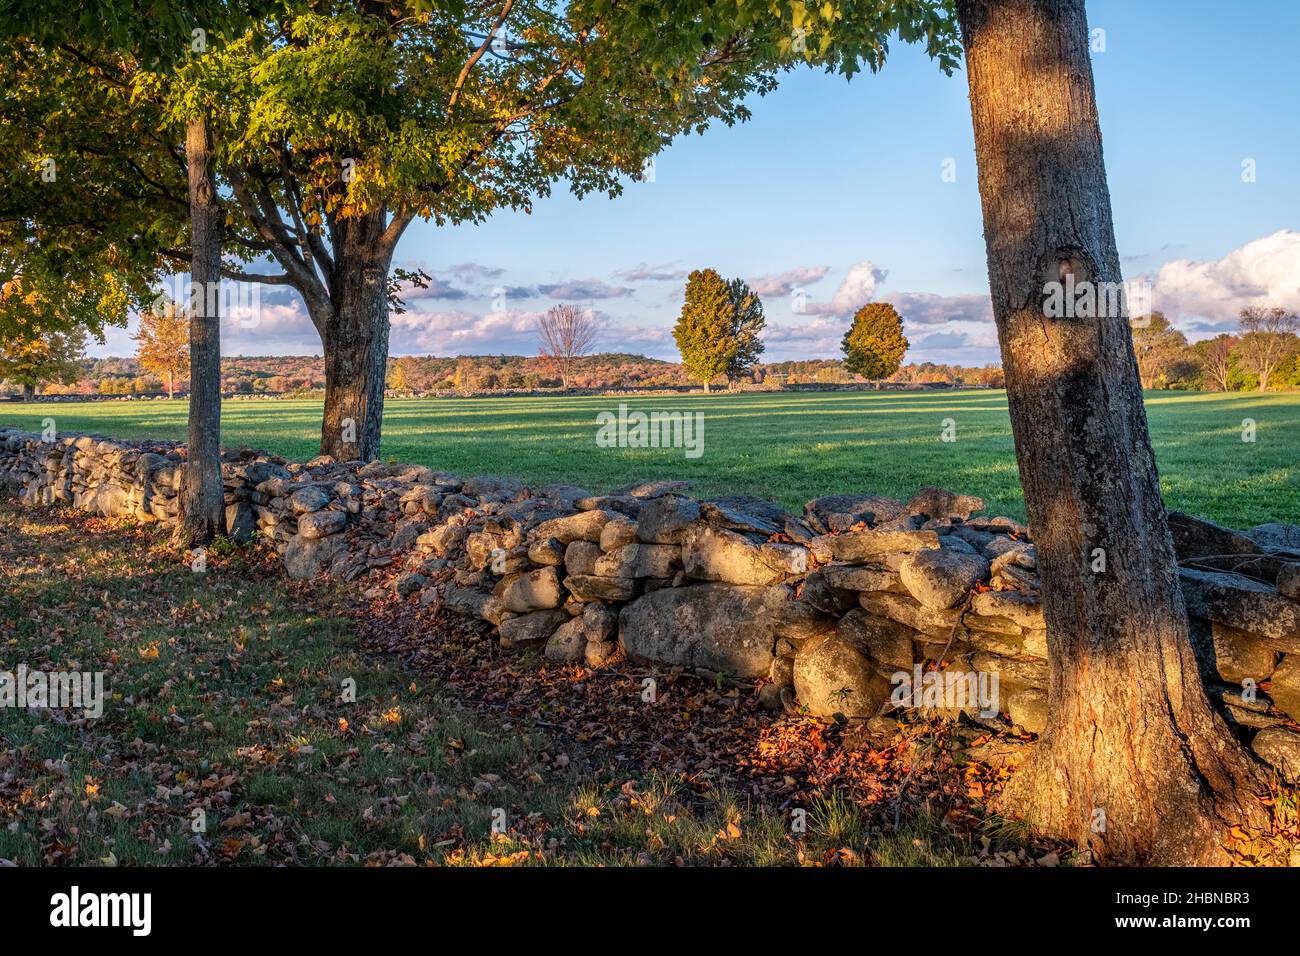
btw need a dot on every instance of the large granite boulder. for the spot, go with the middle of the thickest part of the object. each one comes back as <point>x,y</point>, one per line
<point>832,676</point>
<point>721,628</point>
<point>942,577</point>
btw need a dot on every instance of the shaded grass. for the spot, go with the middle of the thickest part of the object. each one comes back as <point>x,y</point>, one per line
<point>787,446</point>
<point>228,739</point>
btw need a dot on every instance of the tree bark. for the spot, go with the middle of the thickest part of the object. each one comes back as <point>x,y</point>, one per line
<point>1134,764</point>
<point>202,497</point>
<point>355,338</point>
<point>29,391</point>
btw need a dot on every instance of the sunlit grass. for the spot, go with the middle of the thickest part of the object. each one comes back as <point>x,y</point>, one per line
<point>789,447</point>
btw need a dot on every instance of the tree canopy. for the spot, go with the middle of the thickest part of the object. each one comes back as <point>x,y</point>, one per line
<point>874,345</point>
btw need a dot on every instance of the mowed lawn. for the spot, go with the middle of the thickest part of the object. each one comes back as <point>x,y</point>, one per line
<point>788,447</point>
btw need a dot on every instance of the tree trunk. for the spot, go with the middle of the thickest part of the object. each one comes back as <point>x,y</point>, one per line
<point>356,343</point>
<point>202,498</point>
<point>171,392</point>
<point>29,391</point>
<point>1134,764</point>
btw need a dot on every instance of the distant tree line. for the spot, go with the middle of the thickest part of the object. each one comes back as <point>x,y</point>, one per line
<point>1265,348</point>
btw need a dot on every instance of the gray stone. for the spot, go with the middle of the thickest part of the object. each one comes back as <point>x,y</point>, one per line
<point>1276,537</point>
<point>717,627</point>
<point>617,533</point>
<point>580,526</point>
<point>241,522</point>
<point>652,489</point>
<point>580,557</point>
<point>499,489</point>
<point>1279,747</point>
<point>111,500</point>
<point>782,671</point>
<point>715,554</point>
<point>941,578</point>
<point>548,552</point>
<point>534,591</point>
<point>937,503</point>
<point>530,628</point>
<point>665,520</point>
<point>837,513</point>
<point>1197,538</point>
<point>859,546</point>
<point>799,621</point>
<point>1288,580</point>
<point>936,622</point>
<point>832,676</point>
<point>567,643</point>
<point>599,621</point>
<point>304,557</point>
<point>443,538</point>
<point>1243,603</point>
<point>821,594</point>
<point>321,524</point>
<point>1025,610</point>
<point>591,588</point>
<point>744,513</point>
<point>597,653</point>
<point>1028,709</point>
<point>468,601</point>
<point>1284,686</point>
<point>565,493</point>
<point>886,642</point>
<point>1230,654</point>
<point>408,582</point>
<point>309,499</point>
<point>848,577</point>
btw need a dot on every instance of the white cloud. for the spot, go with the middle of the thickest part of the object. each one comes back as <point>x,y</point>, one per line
<point>1205,296</point>
<point>857,289</point>
<point>782,283</point>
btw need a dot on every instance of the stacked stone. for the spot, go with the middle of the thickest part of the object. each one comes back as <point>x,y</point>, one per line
<point>822,610</point>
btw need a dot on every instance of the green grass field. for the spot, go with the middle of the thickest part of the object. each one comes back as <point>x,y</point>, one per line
<point>789,447</point>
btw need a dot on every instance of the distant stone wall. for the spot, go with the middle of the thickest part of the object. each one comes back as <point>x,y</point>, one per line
<point>859,606</point>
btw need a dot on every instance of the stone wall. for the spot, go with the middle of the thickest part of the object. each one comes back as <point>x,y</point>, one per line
<point>859,606</point>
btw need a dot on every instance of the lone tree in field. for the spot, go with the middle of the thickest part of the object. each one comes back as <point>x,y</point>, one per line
<point>164,338</point>
<point>567,333</point>
<point>32,359</point>
<point>717,332</point>
<point>1133,764</point>
<point>1268,339</point>
<point>874,345</point>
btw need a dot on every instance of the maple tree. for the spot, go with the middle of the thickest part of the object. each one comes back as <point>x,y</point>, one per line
<point>164,338</point>
<point>874,345</point>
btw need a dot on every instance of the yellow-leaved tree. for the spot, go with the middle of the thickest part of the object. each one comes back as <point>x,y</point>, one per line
<point>164,339</point>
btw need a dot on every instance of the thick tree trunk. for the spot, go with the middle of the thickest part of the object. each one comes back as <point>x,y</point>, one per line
<point>1134,764</point>
<point>29,391</point>
<point>202,498</point>
<point>356,343</point>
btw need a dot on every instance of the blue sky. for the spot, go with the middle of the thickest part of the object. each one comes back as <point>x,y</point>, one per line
<point>836,188</point>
